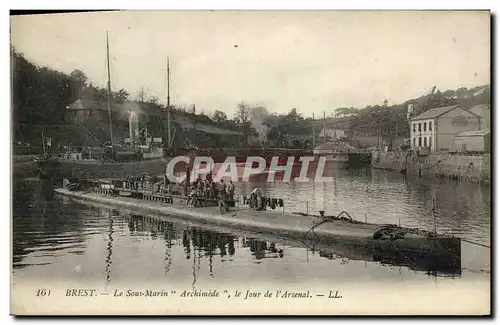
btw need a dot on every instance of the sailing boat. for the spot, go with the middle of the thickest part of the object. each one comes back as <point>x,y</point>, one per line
<point>76,166</point>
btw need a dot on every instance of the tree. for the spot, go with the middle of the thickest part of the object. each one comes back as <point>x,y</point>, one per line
<point>293,115</point>
<point>461,92</point>
<point>78,82</point>
<point>449,93</point>
<point>120,96</point>
<point>345,112</point>
<point>219,117</point>
<point>141,95</point>
<point>243,113</point>
<point>341,112</point>
<point>153,100</point>
<point>259,113</point>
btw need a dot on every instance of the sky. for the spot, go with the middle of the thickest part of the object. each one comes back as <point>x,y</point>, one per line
<point>314,61</point>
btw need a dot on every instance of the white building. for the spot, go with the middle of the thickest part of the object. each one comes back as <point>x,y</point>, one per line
<point>436,128</point>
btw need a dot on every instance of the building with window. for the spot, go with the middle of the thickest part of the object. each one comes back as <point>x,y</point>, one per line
<point>436,128</point>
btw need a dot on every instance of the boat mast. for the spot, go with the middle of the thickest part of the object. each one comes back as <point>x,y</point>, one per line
<point>43,144</point>
<point>324,127</point>
<point>314,134</point>
<point>168,103</point>
<point>109,97</point>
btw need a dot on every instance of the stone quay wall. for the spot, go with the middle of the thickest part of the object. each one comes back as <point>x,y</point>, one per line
<point>473,168</point>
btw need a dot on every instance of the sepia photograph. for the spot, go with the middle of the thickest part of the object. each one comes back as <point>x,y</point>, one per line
<point>274,162</point>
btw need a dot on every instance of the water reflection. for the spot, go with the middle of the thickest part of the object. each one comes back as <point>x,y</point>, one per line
<point>199,243</point>
<point>109,246</point>
<point>262,249</point>
<point>447,264</point>
<point>42,227</point>
<point>170,240</point>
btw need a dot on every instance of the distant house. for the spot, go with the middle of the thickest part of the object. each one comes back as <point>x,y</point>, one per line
<point>436,128</point>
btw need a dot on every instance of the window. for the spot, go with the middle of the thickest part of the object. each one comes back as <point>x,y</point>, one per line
<point>430,142</point>
<point>419,127</point>
<point>419,141</point>
<point>414,127</point>
<point>414,141</point>
<point>425,141</point>
<point>430,126</point>
<point>425,127</point>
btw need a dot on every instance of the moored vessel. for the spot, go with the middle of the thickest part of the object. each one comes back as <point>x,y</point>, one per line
<point>257,213</point>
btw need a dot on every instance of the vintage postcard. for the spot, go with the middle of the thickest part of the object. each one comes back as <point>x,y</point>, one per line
<point>251,163</point>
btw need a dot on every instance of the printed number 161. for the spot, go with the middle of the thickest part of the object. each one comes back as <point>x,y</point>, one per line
<point>42,292</point>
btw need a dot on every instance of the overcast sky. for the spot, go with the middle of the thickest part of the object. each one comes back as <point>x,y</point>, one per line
<point>314,61</point>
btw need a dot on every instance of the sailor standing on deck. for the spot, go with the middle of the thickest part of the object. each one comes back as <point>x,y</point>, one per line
<point>257,199</point>
<point>221,189</point>
<point>231,190</point>
<point>188,174</point>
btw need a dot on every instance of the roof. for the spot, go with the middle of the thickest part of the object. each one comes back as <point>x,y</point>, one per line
<point>86,104</point>
<point>438,111</point>
<point>479,133</point>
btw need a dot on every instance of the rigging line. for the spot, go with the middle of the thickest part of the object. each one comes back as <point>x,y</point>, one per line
<point>90,133</point>
<point>475,243</point>
<point>400,252</point>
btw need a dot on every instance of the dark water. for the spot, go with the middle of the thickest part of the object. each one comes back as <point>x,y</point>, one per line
<point>57,239</point>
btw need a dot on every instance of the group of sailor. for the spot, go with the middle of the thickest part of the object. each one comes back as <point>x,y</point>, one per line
<point>197,192</point>
<point>200,190</point>
<point>203,190</point>
<point>142,182</point>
